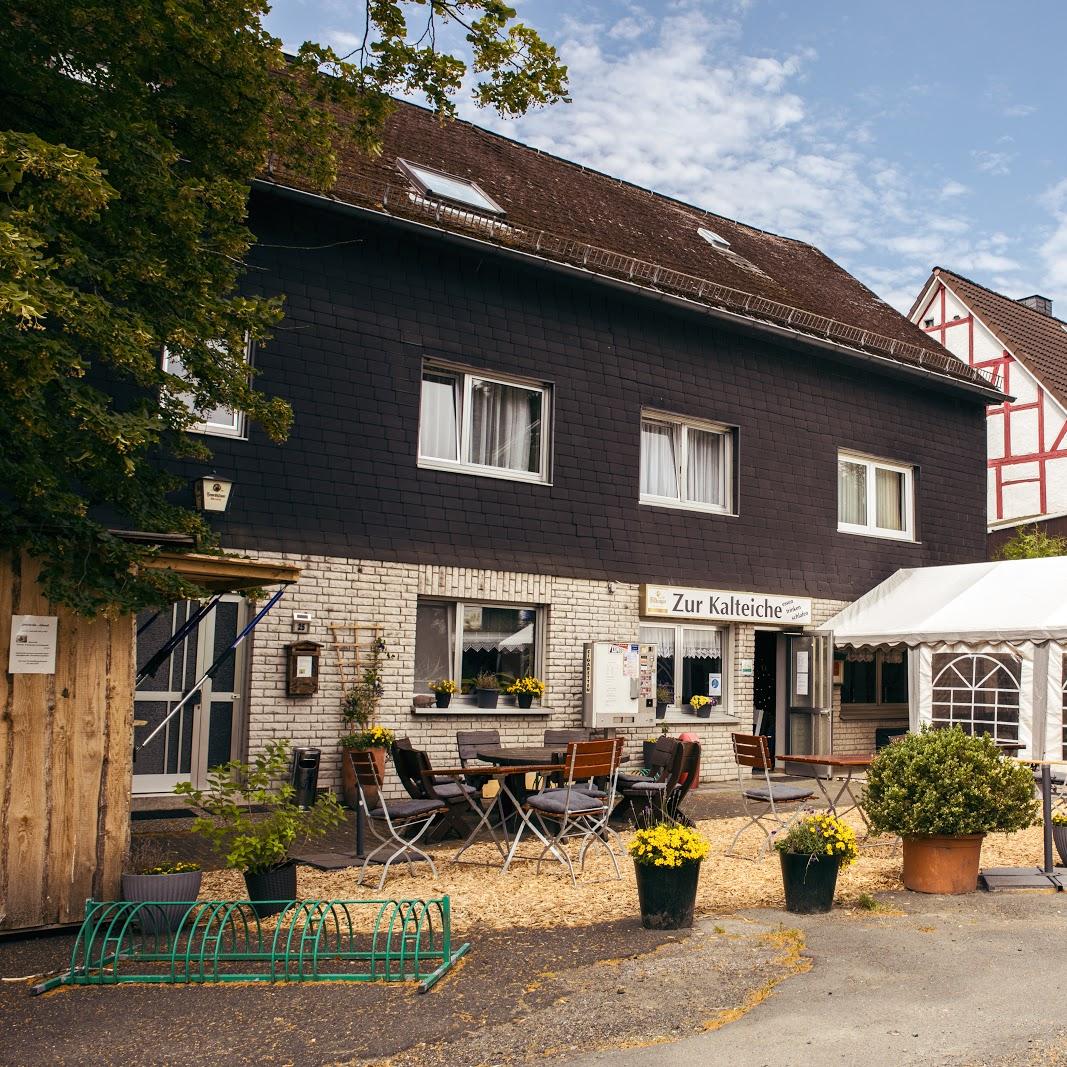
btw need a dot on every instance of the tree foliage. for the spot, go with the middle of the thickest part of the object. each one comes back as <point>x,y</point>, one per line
<point>136,127</point>
<point>1031,542</point>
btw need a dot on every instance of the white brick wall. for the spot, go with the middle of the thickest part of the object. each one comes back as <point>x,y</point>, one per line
<point>365,591</point>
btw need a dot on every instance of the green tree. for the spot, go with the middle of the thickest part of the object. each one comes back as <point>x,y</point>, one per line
<point>136,127</point>
<point>1031,542</point>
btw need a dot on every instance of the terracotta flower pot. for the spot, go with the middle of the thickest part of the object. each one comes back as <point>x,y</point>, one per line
<point>936,864</point>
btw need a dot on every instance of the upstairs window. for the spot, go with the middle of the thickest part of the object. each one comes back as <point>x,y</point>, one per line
<point>685,463</point>
<point>437,183</point>
<point>218,422</point>
<point>875,497</point>
<point>484,424</point>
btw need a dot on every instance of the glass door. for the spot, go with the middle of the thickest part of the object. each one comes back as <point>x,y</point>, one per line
<point>207,731</point>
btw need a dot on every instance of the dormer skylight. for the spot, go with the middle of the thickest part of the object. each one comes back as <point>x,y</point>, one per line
<point>442,186</point>
<point>714,239</point>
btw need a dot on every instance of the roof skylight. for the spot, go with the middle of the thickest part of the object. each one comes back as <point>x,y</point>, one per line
<point>430,182</point>
<point>713,238</point>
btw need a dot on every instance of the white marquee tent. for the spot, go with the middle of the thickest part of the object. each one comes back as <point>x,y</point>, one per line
<point>988,643</point>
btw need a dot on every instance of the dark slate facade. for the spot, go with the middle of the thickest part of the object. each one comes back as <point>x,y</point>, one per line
<point>368,301</point>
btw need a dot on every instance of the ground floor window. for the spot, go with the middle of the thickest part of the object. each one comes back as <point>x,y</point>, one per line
<point>688,662</point>
<point>874,680</point>
<point>462,639</point>
<point>979,692</point>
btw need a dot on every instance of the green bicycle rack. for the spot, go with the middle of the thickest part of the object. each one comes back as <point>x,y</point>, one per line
<point>307,941</point>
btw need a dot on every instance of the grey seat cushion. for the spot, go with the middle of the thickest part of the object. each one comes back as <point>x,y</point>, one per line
<point>779,792</point>
<point>554,801</point>
<point>406,809</point>
<point>591,790</point>
<point>448,790</point>
<point>645,785</point>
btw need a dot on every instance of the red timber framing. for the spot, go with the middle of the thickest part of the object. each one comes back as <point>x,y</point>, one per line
<point>934,320</point>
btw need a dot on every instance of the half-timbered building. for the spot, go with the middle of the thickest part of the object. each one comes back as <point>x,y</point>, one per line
<point>1022,348</point>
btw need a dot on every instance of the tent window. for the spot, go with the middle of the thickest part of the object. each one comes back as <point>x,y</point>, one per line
<point>979,692</point>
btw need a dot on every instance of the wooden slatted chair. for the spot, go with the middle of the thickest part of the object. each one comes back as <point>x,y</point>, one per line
<point>762,802</point>
<point>469,743</point>
<point>397,824</point>
<point>641,793</point>
<point>559,816</point>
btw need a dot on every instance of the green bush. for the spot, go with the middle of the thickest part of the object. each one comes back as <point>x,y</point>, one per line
<point>947,782</point>
<point>255,842</point>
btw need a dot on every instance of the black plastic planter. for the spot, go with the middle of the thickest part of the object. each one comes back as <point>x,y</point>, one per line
<point>274,884</point>
<point>809,882</point>
<point>184,886</point>
<point>524,700</point>
<point>661,709</point>
<point>667,895</point>
<point>443,699</point>
<point>487,698</point>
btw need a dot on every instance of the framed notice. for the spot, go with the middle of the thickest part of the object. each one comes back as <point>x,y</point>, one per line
<point>33,644</point>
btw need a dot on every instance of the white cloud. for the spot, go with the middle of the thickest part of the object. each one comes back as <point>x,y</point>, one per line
<point>992,162</point>
<point>953,188</point>
<point>1018,111</point>
<point>1053,250</point>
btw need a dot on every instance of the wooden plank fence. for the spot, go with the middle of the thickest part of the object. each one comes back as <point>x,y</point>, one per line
<point>65,761</point>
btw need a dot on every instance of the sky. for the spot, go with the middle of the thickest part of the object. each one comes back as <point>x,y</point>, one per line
<point>895,136</point>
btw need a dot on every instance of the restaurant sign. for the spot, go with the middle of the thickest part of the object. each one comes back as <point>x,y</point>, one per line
<point>723,605</point>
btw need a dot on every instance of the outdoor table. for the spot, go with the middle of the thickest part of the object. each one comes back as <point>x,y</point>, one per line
<point>507,805</point>
<point>849,764</point>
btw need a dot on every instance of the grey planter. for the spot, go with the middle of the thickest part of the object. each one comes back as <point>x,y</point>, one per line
<point>1059,835</point>
<point>184,887</point>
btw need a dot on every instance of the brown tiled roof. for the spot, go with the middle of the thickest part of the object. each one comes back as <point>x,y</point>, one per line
<point>573,215</point>
<point>1038,341</point>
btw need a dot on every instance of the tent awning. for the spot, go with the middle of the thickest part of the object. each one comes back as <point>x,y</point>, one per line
<point>1008,600</point>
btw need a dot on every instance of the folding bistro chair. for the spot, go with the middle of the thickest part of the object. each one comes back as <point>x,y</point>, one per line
<point>573,812</point>
<point>404,821</point>
<point>563,736</point>
<point>469,743</point>
<point>416,774</point>
<point>639,792</point>
<point>689,767</point>
<point>762,802</point>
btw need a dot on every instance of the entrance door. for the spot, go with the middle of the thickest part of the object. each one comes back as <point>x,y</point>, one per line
<point>765,686</point>
<point>207,731</point>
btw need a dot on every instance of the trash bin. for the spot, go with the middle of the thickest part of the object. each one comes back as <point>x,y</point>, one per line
<point>305,778</point>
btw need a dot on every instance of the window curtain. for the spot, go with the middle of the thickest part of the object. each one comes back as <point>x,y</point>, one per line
<point>701,643</point>
<point>439,419</point>
<point>852,493</point>
<point>661,637</point>
<point>889,499</point>
<point>505,426</point>
<point>659,467</point>
<point>704,466</point>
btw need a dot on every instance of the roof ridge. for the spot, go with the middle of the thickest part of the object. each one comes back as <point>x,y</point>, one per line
<point>1015,301</point>
<point>610,177</point>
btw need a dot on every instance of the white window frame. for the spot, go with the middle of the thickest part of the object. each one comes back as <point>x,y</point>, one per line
<point>681,426</point>
<point>457,606</point>
<point>869,529</point>
<point>467,378</point>
<point>674,714</point>
<point>237,427</point>
<point>410,171</point>
<point>861,709</point>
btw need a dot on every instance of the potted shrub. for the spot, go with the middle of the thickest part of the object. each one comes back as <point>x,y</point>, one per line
<point>942,791</point>
<point>155,878</point>
<point>487,689</point>
<point>251,820</point>
<point>811,853</point>
<point>443,689</point>
<point>378,741</point>
<point>525,689</point>
<point>664,697</point>
<point>667,864</point>
<point>701,705</point>
<point>359,710</point>
<point>1059,835</point>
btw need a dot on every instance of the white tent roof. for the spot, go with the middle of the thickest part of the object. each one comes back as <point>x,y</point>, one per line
<point>1009,600</point>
